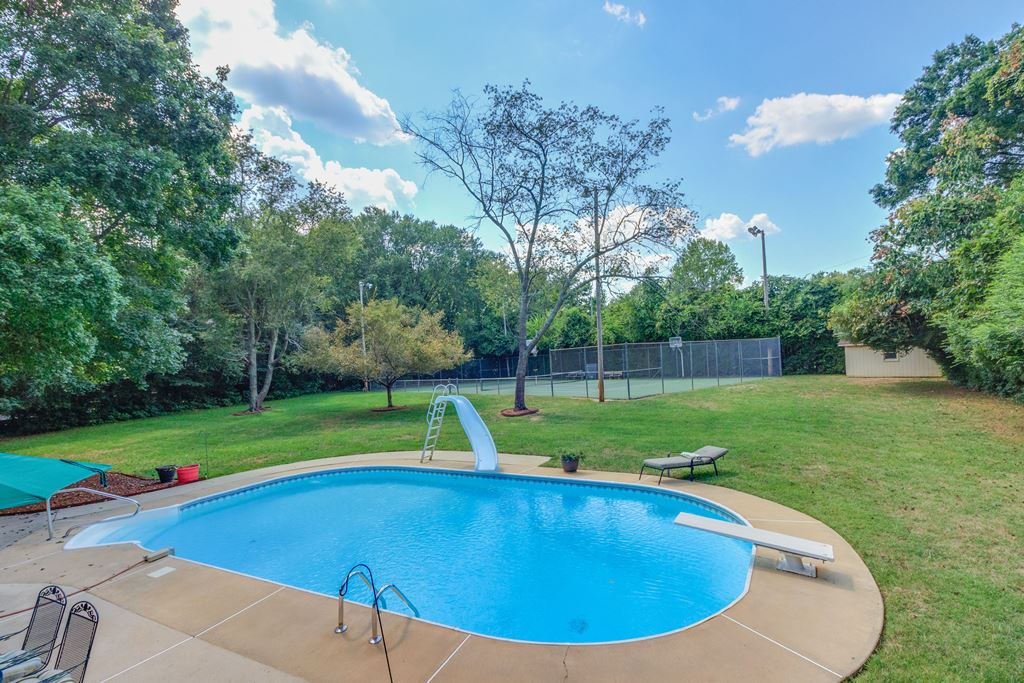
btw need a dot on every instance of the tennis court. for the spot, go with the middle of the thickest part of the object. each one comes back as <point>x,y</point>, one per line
<point>584,387</point>
<point>631,370</point>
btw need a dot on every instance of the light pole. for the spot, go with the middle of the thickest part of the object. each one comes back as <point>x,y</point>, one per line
<point>362,327</point>
<point>755,231</point>
<point>597,293</point>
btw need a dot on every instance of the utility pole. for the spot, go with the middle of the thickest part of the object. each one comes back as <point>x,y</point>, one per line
<point>597,297</point>
<point>362,326</point>
<point>755,231</point>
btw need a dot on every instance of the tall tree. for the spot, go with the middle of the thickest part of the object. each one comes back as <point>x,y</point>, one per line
<point>100,101</point>
<point>294,241</point>
<point>704,265</point>
<point>531,170</point>
<point>55,291</point>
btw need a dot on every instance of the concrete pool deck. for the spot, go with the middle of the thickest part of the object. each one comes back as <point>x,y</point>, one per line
<point>176,619</point>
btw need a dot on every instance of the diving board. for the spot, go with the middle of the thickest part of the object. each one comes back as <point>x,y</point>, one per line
<point>792,548</point>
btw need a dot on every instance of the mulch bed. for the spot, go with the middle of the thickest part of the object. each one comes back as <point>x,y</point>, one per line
<point>512,412</point>
<point>387,410</point>
<point>118,484</point>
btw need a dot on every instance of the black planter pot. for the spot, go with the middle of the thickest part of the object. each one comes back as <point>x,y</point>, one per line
<point>166,473</point>
<point>570,465</point>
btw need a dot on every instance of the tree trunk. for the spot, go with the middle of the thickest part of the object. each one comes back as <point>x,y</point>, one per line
<point>253,382</point>
<point>524,355</point>
<point>390,404</point>
<point>269,376</point>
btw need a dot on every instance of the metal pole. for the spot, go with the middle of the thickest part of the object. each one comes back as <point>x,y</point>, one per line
<point>362,335</point>
<point>661,361</point>
<point>764,270</point>
<point>740,343</point>
<point>760,365</point>
<point>690,346</point>
<point>718,374</point>
<point>597,300</point>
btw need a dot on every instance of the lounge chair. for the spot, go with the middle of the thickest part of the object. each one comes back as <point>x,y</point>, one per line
<point>40,636</point>
<point>706,455</point>
<point>75,647</point>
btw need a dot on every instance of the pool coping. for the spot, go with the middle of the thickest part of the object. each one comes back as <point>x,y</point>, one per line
<point>808,637</point>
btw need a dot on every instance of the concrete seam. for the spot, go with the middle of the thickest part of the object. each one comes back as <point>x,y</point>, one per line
<point>31,559</point>
<point>265,597</point>
<point>196,636</point>
<point>787,649</point>
<point>151,657</point>
<point>445,662</point>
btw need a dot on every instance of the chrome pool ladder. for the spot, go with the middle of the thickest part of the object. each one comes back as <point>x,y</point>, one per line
<point>378,599</point>
<point>435,418</point>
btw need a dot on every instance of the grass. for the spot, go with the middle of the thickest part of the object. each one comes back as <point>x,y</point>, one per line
<point>924,479</point>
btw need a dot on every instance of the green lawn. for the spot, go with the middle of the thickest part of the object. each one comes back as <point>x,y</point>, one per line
<point>924,479</point>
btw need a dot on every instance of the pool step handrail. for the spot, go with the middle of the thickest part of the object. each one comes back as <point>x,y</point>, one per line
<point>435,418</point>
<point>51,514</point>
<point>378,599</point>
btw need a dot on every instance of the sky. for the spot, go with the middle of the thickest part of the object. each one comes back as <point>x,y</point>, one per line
<point>779,110</point>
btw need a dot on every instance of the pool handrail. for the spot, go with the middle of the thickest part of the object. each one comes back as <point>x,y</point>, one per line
<point>378,599</point>
<point>50,514</point>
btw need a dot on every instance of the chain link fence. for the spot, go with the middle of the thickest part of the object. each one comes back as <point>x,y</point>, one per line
<point>630,370</point>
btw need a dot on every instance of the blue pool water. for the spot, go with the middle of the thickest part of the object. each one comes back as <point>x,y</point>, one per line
<point>524,558</point>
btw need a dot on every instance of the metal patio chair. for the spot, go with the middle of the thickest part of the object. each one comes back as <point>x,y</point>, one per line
<point>75,646</point>
<point>40,636</point>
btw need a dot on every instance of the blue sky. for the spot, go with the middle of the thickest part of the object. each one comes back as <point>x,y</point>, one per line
<point>792,98</point>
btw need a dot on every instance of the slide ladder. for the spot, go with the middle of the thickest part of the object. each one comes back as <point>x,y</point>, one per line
<point>479,436</point>
<point>435,418</point>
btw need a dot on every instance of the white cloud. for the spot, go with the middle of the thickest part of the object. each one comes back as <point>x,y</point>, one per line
<point>273,133</point>
<point>807,117</point>
<point>729,226</point>
<point>722,105</point>
<point>625,14</point>
<point>315,81</point>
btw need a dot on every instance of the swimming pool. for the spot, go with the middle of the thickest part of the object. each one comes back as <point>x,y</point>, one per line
<point>537,559</point>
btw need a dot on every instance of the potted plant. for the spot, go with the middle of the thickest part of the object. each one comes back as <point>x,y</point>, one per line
<point>571,461</point>
<point>166,473</point>
<point>188,473</point>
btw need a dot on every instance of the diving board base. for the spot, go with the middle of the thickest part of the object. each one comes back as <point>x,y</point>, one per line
<point>796,565</point>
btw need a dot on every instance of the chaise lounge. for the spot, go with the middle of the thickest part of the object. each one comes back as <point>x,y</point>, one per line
<point>706,455</point>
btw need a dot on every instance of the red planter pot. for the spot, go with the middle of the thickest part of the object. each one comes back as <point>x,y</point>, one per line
<point>188,474</point>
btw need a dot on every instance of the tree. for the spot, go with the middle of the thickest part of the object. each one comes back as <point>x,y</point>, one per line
<point>421,263</point>
<point>533,172</point>
<point>56,290</point>
<point>100,102</point>
<point>400,340</point>
<point>294,241</point>
<point>498,287</point>
<point>704,265</point>
<point>954,192</point>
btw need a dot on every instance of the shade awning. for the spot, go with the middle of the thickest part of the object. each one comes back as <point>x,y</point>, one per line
<point>26,479</point>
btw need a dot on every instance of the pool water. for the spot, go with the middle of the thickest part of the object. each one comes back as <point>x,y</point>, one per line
<point>523,558</point>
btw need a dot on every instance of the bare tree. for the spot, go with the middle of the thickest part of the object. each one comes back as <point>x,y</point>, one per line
<point>533,170</point>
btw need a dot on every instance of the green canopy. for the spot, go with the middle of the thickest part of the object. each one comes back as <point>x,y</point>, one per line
<point>25,479</point>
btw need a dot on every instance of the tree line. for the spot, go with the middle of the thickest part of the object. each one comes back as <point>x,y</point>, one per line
<point>153,259</point>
